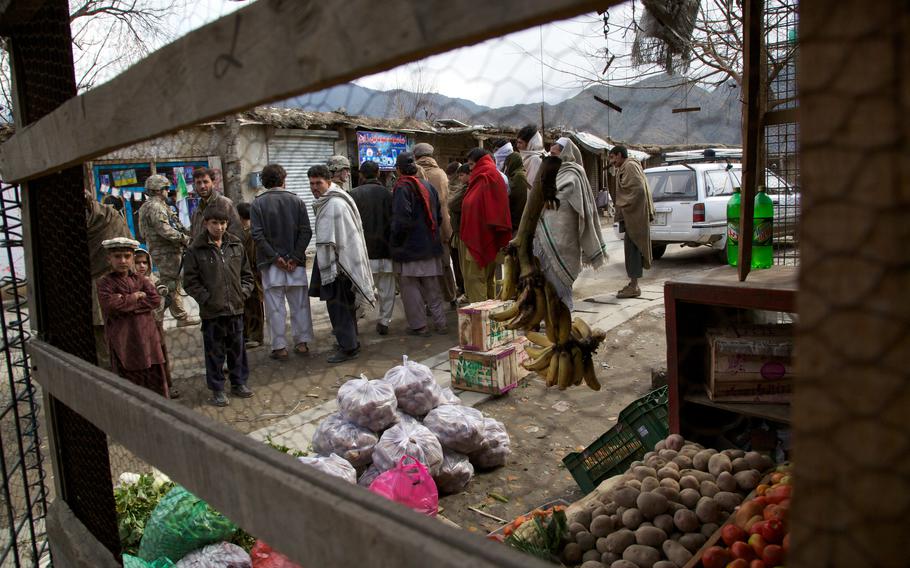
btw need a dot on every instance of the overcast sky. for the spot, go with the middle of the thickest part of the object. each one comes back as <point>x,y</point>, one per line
<point>499,72</point>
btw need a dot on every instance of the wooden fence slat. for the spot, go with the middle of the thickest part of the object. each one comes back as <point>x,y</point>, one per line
<point>313,518</point>
<point>265,52</point>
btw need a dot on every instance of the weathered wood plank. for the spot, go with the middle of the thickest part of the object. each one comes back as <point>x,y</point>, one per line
<point>315,519</point>
<point>752,123</point>
<point>268,51</point>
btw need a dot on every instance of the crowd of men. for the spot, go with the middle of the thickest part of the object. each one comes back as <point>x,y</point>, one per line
<point>432,237</point>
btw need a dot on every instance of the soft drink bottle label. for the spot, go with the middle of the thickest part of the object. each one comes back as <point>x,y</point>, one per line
<point>733,231</point>
<point>763,233</point>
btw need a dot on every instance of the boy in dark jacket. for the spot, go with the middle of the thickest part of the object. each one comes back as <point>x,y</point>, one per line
<point>216,273</point>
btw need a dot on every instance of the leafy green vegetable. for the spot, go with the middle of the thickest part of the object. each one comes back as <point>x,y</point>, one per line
<point>548,537</point>
<point>135,503</point>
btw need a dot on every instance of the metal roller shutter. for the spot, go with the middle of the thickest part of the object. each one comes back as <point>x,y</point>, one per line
<point>299,150</point>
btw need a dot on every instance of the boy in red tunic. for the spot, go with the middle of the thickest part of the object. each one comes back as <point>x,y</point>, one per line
<point>128,302</point>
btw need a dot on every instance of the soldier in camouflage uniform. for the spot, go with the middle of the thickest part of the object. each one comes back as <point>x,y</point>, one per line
<point>166,239</point>
<point>341,171</point>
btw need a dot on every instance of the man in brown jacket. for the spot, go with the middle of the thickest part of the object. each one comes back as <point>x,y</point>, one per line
<point>428,169</point>
<point>634,213</point>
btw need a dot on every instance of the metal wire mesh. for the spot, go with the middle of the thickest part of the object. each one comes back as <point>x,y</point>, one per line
<point>782,179</point>
<point>22,460</point>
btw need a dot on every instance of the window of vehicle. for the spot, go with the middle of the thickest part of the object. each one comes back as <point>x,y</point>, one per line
<point>673,185</point>
<point>718,182</point>
<point>774,184</point>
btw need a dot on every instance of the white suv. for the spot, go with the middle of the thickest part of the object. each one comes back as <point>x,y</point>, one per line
<point>691,204</point>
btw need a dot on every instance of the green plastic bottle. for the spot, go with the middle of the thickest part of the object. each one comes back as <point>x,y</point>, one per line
<point>734,210</point>
<point>763,230</point>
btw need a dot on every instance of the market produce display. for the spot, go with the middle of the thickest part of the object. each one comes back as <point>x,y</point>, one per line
<point>369,475</point>
<point>335,435</point>
<point>757,534</point>
<point>333,465</point>
<point>664,508</point>
<point>564,355</point>
<point>415,387</point>
<point>458,428</point>
<point>370,404</point>
<point>495,447</point>
<point>405,439</point>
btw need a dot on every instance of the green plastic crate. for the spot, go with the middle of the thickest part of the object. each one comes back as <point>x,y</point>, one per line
<point>609,455</point>
<point>648,416</point>
<point>641,425</point>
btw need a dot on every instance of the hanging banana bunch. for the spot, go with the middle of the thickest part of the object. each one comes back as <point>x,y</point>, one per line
<point>564,354</point>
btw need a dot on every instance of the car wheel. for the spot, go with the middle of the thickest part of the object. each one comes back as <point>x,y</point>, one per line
<point>658,251</point>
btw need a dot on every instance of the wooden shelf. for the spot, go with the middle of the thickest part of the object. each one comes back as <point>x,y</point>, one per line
<point>770,411</point>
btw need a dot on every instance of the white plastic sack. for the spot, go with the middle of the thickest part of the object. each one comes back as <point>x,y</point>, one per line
<point>408,439</point>
<point>455,474</point>
<point>370,404</point>
<point>335,435</point>
<point>333,465</point>
<point>447,396</point>
<point>369,475</point>
<point>405,417</point>
<point>218,555</point>
<point>415,387</point>
<point>459,428</point>
<point>495,448</point>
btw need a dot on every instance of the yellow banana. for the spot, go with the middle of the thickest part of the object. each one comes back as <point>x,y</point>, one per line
<point>507,292</point>
<point>505,314</point>
<point>590,376</point>
<point>540,309</point>
<point>583,328</point>
<point>578,366</point>
<point>534,352</point>
<point>538,338</point>
<point>565,370</point>
<point>553,371</point>
<point>541,362</point>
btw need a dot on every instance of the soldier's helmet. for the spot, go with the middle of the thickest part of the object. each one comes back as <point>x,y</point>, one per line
<point>337,163</point>
<point>156,183</point>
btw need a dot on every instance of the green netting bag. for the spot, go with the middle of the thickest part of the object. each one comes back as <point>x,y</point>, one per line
<point>181,523</point>
<point>134,562</point>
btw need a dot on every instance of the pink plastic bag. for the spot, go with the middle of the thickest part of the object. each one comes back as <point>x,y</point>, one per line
<point>409,484</point>
<point>264,557</point>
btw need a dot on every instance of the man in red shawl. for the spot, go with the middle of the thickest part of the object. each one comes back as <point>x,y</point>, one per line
<point>485,225</point>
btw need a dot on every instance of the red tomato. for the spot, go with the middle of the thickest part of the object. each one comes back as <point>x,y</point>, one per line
<point>738,563</point>
<point>772,531</point>
<point>732,533</point>
<point>742,550</point>
<point>756,564</point>
<point>757,542</point>
<point>715,557</point>
<point>778,493</point>
<point>773,555</point>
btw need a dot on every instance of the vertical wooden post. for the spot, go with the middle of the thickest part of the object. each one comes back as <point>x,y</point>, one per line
<point>59,280</point>
<point>752,115</point>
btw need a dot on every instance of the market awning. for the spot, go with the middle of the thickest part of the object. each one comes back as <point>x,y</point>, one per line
<point>598,145</point>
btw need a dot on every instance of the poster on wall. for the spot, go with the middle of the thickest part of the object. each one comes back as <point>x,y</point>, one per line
<point>380,147</point>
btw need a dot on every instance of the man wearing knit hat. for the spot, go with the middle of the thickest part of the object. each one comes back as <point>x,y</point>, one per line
<point>340,167</point>
<point>166,238</point>
<point>428,169</point>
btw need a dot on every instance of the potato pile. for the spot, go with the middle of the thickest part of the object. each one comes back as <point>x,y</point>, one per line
<point>335,435</point>
<point>459,428</point>
<point>665,507</point>
<point>371,404</point>
<point>415,387</point>
<point>333,465</point>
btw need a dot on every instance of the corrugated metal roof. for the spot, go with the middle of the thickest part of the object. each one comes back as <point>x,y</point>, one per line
<point>595,144</point>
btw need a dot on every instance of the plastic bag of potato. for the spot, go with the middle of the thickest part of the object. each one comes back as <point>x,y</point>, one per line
<point>459,428</point>
<point>415,387</point>
<point>455,473</point>
<point>370,404</point>
<point>495,447</point>
<point>408,439</point>
<point>333,465</point>
<point>335,435</point>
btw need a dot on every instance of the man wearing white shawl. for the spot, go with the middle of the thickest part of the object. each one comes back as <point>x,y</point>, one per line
<point>568,238</point>
<point>530,145</point>
<point>341,274</point>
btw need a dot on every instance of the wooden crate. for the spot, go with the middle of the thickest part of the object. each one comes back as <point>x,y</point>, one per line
<point>483,371</point>
<point>477,332</point>
<point>751,363</point>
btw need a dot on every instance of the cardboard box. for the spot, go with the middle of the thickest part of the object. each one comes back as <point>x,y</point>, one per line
<point>751,363</point>
<point>519,357</point>
<point>477,332</point>
<point>483,371</point>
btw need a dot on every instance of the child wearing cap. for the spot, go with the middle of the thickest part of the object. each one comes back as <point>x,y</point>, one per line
<point>128,302</point>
